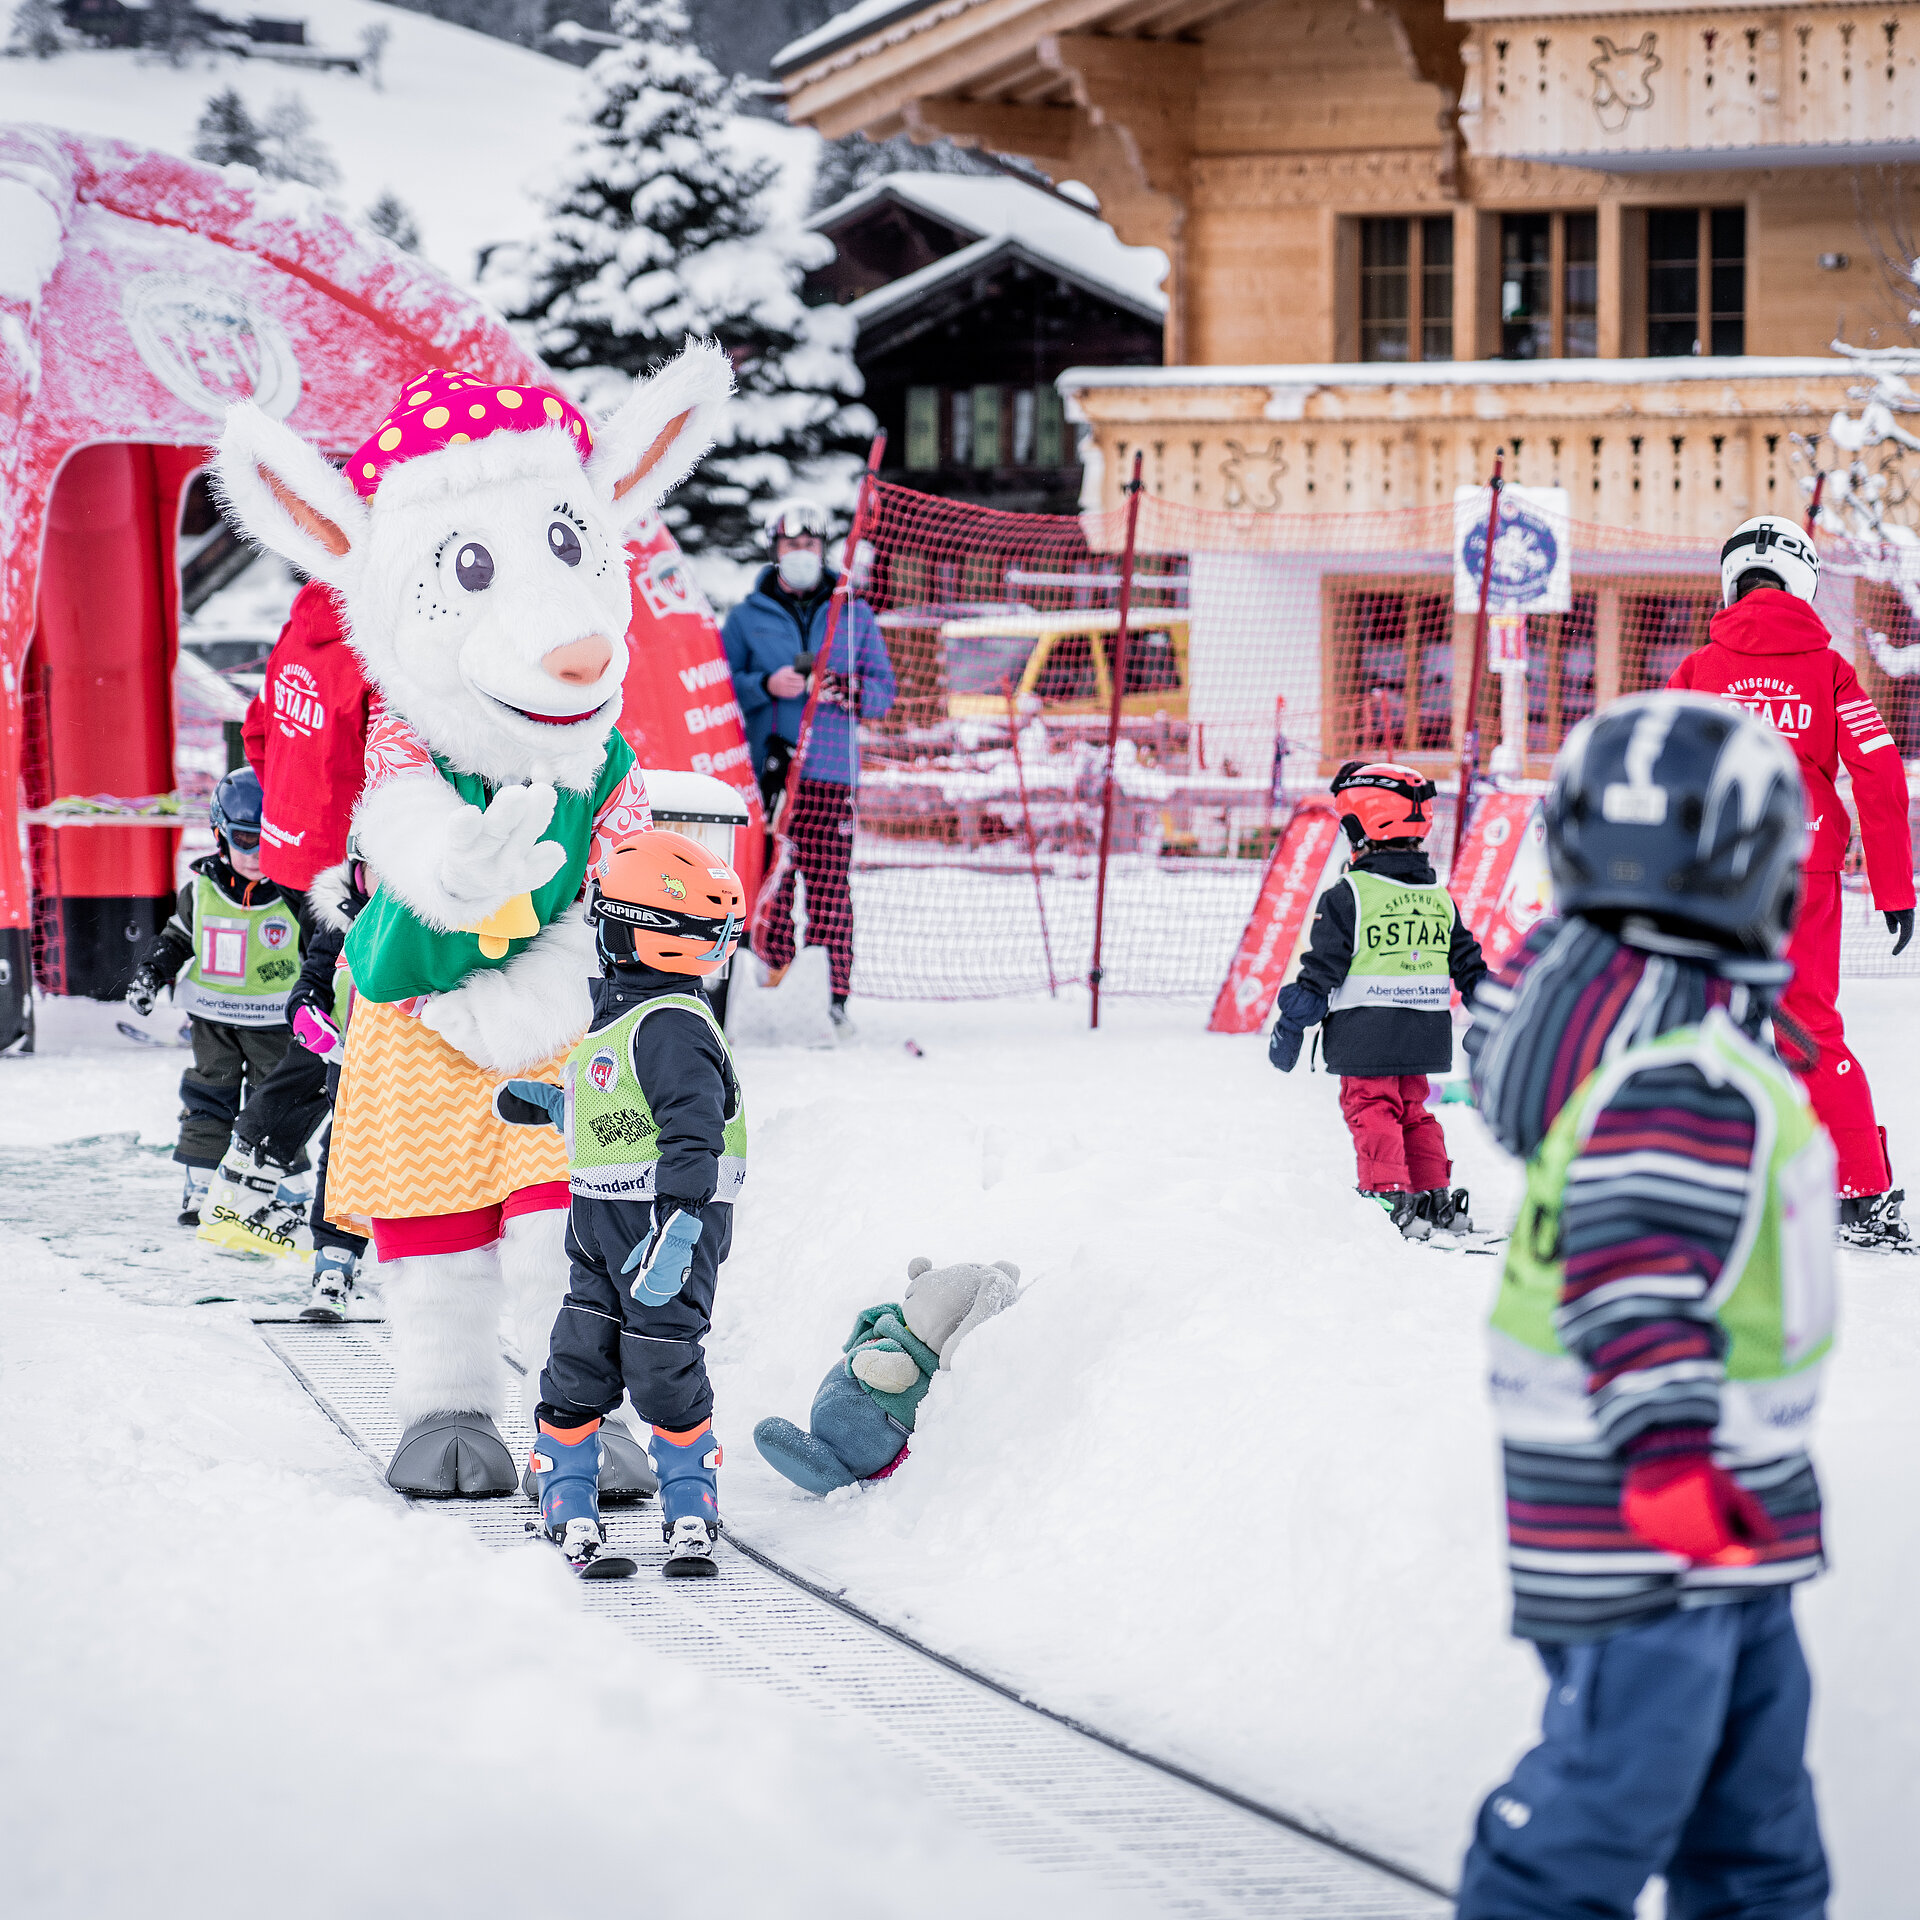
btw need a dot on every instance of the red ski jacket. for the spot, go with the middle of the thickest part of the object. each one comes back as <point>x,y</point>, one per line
<point>1770,654</point>
<point>305,736</point>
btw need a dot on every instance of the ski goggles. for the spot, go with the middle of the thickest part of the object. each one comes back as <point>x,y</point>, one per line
<point>245,839</point>
<point>795,519</point>
<point>674,926</point>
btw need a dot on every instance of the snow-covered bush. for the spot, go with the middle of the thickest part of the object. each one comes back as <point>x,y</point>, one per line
<point>289,147</point>
<point>40,31</point>
<point>392,218</point>
<point>657,228</point>
<point>225,134</point>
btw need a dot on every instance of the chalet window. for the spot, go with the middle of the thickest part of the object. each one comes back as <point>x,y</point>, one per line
<point>986,427</point>
<point>1388,660</point>
<point>1406,289</point>
<point>1023,427</point>
<point>1560,673</point>
<point>1658,629</point>
<point>1696,280</point>
<point>960,408</point>
<point>1049,429</point>
<point>923,428</point>
<point>1549,286</point>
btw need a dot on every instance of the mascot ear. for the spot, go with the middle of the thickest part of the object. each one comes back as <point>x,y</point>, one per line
<point>283,495</point>
<point>654,441</point>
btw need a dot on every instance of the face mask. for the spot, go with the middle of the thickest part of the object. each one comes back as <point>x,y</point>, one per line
<point>799,570</point>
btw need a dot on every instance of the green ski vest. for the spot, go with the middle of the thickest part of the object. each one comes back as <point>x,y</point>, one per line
<point>1775,1295</point>
<point>1402,939</point>
<point>245,959</point>
<point>395,956</point>
<point>613,1140</point>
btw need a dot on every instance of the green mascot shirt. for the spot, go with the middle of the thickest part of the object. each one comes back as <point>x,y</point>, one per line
<point>394,955</point>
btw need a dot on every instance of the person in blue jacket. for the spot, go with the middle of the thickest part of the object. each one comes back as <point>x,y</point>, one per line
<point>776,641</point>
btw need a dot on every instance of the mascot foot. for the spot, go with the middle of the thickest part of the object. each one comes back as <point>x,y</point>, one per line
<point>807,1462</point>
<point>452,1456</point>
<point>626,1474</point>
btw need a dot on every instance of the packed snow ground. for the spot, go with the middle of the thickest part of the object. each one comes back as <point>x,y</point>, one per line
<point>1223,1481</point>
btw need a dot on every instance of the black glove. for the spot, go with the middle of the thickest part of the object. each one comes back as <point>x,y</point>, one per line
<point>1900,925</point>
<point>144,988</point>
<point>1283,1045</point>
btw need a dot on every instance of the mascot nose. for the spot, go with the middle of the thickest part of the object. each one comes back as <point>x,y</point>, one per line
<point>580,662</point>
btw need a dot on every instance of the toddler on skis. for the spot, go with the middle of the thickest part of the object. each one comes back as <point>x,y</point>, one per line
<point>1657,1343</point>
<point>1387,946</point>
<point>231,951</point>
<point>656,1134</point>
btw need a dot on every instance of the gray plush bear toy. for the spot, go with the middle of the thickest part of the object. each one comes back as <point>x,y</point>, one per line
<point>864,1412</point>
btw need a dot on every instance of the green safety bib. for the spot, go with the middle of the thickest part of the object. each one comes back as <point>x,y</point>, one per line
<point>1402,939</point>
<point>613,1140</point>
<point>245,960</point>
<point>1774,1297</point>
<point>396,956</point>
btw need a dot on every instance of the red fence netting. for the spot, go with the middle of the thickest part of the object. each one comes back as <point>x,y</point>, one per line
<point>1262,652</point>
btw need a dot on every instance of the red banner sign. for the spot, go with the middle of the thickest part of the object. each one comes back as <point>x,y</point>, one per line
<point>1501,882</point>
<point>679,710</point>
<point>1299,867</point>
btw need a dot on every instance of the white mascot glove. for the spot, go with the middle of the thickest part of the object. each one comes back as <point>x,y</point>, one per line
<point>490,857</point>
<point>884,1369</point>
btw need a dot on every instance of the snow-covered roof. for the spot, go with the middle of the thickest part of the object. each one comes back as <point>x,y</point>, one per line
<point>1050,231</point>
<point>854,23</point>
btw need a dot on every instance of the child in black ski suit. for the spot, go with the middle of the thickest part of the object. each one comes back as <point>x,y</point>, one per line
<point>1387,945</point>
<point>231,952</point>
<point>656,1149</point>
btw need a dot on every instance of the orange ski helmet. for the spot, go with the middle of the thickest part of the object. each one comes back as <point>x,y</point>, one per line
<point>667,902</point>
<point>1381,800</point>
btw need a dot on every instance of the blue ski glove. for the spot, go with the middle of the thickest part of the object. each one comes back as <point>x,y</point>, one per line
<point>1299,1008</point>
<point>665,1257</point>
<point>531,1103</point>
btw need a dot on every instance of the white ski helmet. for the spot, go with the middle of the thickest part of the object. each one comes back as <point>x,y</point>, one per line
<point>1769,544</point>
<point>795,517</point>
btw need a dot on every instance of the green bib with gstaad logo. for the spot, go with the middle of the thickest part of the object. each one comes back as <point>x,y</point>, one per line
<point>1774,1298</point>
<point>1402,943</point>
<point>613,1140</point>
<point>245,959</point>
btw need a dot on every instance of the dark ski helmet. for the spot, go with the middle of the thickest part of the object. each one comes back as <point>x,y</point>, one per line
<point>1683,811</point>
<point>236,809</point>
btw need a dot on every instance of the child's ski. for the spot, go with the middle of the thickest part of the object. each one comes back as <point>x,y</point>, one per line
<point>585,1550</point>
<point>1449,1240</point>
<point>146,1039</point>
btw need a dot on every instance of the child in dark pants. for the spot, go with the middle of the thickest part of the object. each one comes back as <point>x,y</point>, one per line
<point>1388,944</point>
<point>230,951</point>
<point>656,1150</point>
<point>1663,1320</point>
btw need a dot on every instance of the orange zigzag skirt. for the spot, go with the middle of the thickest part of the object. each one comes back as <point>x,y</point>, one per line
<point>414,1131</point>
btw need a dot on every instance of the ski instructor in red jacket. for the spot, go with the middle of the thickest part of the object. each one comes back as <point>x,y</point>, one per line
<point>1768,652</point>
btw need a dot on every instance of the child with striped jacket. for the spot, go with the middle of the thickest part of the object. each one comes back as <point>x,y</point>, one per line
<point>1658,1338</point>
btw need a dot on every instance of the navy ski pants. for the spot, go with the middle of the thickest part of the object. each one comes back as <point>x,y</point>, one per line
<point>606,1342</point>
<point>1675,1747</point>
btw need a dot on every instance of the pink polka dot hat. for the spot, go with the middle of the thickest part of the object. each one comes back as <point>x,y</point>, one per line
<point>443,409</point>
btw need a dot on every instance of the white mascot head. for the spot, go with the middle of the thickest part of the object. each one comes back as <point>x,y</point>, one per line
<point>474,541</point>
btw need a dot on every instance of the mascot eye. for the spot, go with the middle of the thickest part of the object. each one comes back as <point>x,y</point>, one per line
<point>564,543</point>
<point>473,567</point>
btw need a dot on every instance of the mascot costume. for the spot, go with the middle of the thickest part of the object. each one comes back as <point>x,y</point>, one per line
<point>474,546</point>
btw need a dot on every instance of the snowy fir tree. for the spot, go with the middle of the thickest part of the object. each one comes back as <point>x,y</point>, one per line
<point>40,31</point>
<point>290,149</point>
<point>392,218</point>
<point>225,135</point>
<point>659,227</point>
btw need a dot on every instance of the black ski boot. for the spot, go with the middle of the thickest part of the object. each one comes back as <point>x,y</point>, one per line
<point>1873,1221</point>
<point>1404,1210</point>
<point>1446,1210</point>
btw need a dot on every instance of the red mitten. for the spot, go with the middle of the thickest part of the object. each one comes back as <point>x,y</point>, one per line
<point>1682,1503</point>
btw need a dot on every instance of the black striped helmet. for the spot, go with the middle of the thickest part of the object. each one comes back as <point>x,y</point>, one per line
<point>1684,811</point>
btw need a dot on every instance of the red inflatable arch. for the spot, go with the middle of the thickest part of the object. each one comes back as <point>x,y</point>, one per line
<point>140,295</point>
